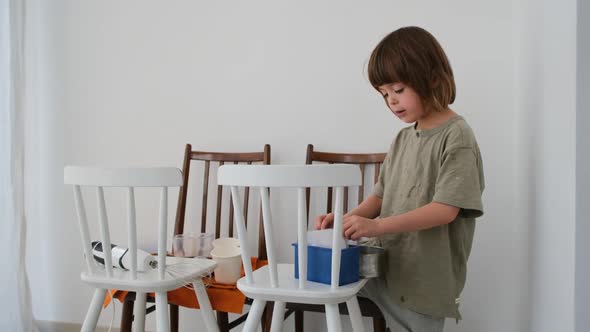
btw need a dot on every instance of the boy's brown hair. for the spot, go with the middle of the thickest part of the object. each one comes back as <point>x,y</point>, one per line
<point>412,56</point>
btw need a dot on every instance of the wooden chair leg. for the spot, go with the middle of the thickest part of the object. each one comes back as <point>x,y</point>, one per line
<point>173,318</point>
<point>298,321</point>
<point>267,317</point>
<point>379,324</point>
<point>223,321</point>
<point>127,316</point>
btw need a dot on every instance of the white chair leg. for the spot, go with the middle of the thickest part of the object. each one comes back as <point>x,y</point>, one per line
<point>354,311</point>
<point>162,320</point>
<point>139,312</point>
<point>254,316</point>
<point>333,318</point>
<point>205,305</point>
<point>278,315</point>
<point>94,309</point>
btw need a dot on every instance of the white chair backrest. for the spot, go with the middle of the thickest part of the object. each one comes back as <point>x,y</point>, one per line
<point>289,176</point>
<point>162,177</point>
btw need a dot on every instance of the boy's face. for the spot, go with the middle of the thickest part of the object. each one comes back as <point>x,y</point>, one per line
<point>403,101</point>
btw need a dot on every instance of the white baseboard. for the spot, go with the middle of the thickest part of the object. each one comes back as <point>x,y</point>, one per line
<point>48,326</point>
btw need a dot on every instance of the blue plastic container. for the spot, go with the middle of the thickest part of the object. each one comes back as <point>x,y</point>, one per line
<point>319,264</point>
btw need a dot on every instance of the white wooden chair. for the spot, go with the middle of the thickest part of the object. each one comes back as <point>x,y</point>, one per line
<point>276,282</point>
<point>158,280</point>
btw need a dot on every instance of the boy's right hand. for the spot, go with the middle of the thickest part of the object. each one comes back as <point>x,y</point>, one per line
<point>324,221</point>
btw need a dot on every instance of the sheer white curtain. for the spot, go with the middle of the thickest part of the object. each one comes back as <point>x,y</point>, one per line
<point>15,310</point>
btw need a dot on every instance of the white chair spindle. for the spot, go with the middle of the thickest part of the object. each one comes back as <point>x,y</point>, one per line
<point>84,232</point>
<point>337,236</point>
<point>104,232</point>
<point>302,236</point>
<point>268,235</point>
<point>162,229</point>
<point>239,220</point>
<point>132,231</point>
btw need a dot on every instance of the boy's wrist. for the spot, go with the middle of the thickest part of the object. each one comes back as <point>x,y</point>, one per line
<point>385,225</point>
<point>380,222</point>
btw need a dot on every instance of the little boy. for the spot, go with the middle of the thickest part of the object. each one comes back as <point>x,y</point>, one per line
<point>429,189</point>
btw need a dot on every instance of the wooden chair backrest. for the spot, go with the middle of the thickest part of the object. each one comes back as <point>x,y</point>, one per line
<point>361,159</point>
<point>212,159</point>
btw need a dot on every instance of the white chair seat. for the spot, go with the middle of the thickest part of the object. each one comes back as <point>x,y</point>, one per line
<point>289,291</point>
<point>181,271</point>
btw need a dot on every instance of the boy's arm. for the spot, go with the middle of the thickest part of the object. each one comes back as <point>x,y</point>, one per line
<point>369,208</point>
<point>428,216</point>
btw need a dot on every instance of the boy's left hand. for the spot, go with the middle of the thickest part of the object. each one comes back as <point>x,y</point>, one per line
<point>356,227</point>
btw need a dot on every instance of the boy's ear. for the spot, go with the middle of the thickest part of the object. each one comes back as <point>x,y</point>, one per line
<point>434,79</point>
<point>434,83</point>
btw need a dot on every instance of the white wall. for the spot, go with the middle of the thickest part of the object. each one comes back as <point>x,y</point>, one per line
<point>142,79</point>
<point>582,289</point>
<point>551,116</point>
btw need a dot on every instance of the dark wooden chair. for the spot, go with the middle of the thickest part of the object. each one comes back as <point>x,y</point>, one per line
<point>368,308</point>
<point>209,158</point>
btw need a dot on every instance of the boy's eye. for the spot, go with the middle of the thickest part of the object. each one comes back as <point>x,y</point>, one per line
<point>385,95</point>
<point>399,90</point>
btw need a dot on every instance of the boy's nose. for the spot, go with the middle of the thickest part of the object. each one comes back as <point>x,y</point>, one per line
<point>392,101</point>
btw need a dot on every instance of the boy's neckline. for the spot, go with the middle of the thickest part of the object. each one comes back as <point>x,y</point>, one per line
<point>432,131</point>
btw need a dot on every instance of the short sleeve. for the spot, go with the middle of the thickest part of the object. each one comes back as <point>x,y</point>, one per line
<point>460,182</point>
<point>380,185</point>
<point>378,189</point>
<point>386,168</point>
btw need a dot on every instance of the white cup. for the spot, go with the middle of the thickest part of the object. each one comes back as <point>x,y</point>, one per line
<point>229,264</point>
<point>226,242</point>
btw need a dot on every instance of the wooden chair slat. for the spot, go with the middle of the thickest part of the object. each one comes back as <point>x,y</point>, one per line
<point>362,187</point>
<point>204,201</point>
<point>218,213</point>
<point>376,177</point>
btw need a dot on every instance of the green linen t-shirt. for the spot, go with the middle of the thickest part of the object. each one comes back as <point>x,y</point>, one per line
<point>426,269</point>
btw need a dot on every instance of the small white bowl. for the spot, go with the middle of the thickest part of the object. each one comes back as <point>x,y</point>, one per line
<point>226,242</point>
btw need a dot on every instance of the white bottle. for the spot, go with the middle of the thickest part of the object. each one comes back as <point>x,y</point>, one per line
<point>121,259</point>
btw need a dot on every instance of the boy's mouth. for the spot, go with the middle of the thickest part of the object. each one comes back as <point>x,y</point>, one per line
<point>400,112</point>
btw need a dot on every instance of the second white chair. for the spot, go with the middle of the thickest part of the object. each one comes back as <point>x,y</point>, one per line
<point>276,282</point>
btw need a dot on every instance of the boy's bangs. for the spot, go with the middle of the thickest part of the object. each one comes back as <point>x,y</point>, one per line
<point>381,69</point>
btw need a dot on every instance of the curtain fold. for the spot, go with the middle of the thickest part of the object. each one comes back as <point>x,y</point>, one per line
<point>15,310</point>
